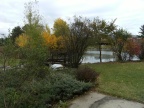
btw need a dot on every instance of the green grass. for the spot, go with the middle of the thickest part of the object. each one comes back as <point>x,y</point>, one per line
<point>124,80</point>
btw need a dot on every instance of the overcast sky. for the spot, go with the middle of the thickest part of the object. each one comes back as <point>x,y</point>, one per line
<point>129,13</point>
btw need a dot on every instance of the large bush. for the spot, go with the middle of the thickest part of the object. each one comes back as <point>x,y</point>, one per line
<point>19,89</point>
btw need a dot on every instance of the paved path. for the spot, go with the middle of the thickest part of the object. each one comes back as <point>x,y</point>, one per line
<point>97,100</point>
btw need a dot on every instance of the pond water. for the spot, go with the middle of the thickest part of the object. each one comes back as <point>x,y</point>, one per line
<point>93,57</point>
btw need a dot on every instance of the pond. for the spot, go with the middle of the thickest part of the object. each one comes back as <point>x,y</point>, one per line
<point>92,56</point>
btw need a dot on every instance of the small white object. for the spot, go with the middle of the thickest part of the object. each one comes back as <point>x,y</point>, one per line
<point>56,66</point>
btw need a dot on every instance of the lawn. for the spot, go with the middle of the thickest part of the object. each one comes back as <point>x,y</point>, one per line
<point>124,80</point>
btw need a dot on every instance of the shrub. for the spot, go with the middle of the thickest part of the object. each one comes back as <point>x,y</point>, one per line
<point>52,89</point>
<point>64,86</point>
<point>86,74</point>
<point>34,92</point>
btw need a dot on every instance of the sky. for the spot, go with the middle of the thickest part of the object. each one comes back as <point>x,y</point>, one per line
<point>129,13</point>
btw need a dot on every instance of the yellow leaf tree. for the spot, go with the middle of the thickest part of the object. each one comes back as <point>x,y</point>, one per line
<point>21,40</point>
<point>53,42</point>
<point>60,28</point>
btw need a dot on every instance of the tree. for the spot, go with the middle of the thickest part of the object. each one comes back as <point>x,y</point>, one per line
<point>2,41</point>
<point>132,47</point>
<point>7,52</point>
<point>60,28</point>
<point>16,31</point>
<point>77,41</point>
<point>141,36</point>
<point>141,55</point>
<point>34,54</point>
<point>7,55</point>
<point>22,40</point>
<point>100,32</point>
<point>50,41</point>
<point>47,29</point>
<point>118,39</point>
<point>142,31</point>
<point>33,50</point>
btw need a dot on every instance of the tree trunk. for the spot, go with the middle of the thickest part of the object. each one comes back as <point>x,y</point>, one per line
<point>100,53</point>
<point>119,57</point>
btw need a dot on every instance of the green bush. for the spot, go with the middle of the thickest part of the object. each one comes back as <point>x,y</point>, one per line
<point>58,87</point>
<point>65,86</point>
<point>86,74</point>
<point>21,90</point>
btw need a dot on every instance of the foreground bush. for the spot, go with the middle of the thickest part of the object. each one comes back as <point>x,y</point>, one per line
<point>86,74</point>
<point>22,91</point>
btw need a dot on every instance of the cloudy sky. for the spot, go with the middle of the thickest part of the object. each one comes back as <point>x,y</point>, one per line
<point>129,13</point>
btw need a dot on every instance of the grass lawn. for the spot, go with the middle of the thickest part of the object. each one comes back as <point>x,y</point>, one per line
<point>124,80</point>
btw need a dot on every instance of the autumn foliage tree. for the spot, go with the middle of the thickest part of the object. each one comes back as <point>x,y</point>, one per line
<point>141,55</point>
<point>118,40</point>
<point>60,28</point>
<point>53,42</point>
<point>132,48</point>
<point>31,43</point>
<point>21,40</point>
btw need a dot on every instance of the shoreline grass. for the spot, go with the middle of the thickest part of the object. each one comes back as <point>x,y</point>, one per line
<point>125,80</point>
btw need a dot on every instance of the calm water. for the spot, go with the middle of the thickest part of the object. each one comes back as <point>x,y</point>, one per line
<point>93,57</point>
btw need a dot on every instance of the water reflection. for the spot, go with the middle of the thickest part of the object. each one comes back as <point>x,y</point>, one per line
<point>93,57</point>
